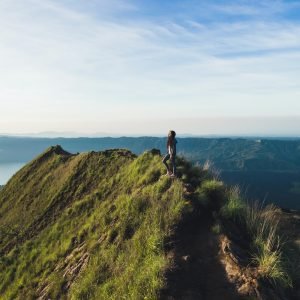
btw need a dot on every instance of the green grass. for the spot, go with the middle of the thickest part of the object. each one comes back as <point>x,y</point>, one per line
<point>95,225</point>
<point>262,224</point>
<point>260,227</point>
<point>210,193</point>
<point>235,207</point>
<point>111,208</point>
<point>216,228</point>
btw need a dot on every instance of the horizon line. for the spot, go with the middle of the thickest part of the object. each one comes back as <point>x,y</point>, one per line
<point>115,135</point>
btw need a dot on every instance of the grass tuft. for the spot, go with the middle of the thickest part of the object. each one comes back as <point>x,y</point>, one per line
<point>262,224</point>
<point>235,207</point>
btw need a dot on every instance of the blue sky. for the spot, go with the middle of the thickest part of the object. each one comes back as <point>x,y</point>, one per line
<point>143,67</point>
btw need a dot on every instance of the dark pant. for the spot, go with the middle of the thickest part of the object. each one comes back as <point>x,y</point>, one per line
<point>166,158</point>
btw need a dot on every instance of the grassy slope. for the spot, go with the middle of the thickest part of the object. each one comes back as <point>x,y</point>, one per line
<point>95,226</point>
<point>87,226</point>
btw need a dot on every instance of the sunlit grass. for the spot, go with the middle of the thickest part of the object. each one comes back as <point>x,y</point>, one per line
<point>262,224</point>
<point>118,211</point>
<point>120,214</point>
<point>234,208</point>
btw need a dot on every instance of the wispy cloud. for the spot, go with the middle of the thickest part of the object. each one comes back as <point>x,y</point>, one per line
<point>111,60</point>
<point>255,9</point>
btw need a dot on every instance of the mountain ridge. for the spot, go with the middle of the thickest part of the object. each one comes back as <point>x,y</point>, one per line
<point>108,225</point>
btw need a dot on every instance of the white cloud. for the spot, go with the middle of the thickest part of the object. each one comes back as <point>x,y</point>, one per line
<point>68,66</point>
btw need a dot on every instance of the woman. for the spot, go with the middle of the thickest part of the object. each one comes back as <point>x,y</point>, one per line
<point>171,146</point>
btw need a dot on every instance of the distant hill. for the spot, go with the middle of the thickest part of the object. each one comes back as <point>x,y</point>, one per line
<point>227,154</point>
<point>266,169</point>
<point>109,225</point>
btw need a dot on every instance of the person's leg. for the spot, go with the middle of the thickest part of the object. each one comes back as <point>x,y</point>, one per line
<point>167,157</point>
<point>173,165</point>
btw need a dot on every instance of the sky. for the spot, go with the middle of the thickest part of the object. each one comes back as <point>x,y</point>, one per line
<point>141,67</point>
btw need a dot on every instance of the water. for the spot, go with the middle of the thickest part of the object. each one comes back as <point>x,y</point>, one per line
<point>7,170</point>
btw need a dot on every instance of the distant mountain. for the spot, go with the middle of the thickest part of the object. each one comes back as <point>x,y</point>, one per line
<point>109,225</point>
<point>265,169</point>
<point>226,154</point>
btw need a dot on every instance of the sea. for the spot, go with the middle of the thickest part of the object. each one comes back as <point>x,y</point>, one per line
<point>7,170</point>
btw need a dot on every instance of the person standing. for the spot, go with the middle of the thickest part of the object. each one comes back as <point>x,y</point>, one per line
<point>171,154</point>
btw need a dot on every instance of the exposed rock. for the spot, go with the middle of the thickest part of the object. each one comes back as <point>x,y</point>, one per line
<point>244,278</point>
<point>235,252</point>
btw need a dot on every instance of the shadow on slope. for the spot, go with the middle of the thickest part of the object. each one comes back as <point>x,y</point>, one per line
<point>290,228</point>
<point>198,273</point>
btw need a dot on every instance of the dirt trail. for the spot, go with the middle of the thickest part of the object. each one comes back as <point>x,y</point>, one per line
<point>198,273</point>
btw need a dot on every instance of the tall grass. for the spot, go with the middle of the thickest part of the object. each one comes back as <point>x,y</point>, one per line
<point>235,207</point>
<point>262,224</point>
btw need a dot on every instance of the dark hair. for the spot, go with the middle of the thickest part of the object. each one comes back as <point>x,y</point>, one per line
<point>171,137</point>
